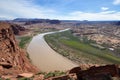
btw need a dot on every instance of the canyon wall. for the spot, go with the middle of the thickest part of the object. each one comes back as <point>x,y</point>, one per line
<point>12,59</point>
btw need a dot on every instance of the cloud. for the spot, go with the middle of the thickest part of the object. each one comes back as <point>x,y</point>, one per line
<point>116,2</point>
<point>22,8</point>
<point>104,8</point>
<point>10,9</point>
<point>108,12</point>
<point>105,15</point>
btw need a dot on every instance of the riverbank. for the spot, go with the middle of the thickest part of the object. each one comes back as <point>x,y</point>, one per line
<point>81,52</point>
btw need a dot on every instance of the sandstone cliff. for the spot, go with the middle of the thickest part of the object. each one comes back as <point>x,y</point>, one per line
<point>12,59</point>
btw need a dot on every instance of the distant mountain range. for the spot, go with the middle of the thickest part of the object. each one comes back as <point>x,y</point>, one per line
<point>54,21</point>
<point>36,20</point>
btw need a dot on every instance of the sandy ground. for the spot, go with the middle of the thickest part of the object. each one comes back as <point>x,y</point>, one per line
<point>45,58</point>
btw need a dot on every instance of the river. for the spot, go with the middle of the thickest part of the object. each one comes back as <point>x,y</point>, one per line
<point>44,57</point>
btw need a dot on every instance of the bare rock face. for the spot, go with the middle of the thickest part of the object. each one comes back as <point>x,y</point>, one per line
<point>12,58</point>
<point>17,29</point>
<point>26,75</point>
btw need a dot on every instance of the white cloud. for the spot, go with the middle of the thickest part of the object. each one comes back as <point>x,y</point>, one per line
<point>11,9</point>
<point>106,15</point>
<point>116,2</point>
<point>23,8</point>
<point>104,8</point>
<point>107,12</point>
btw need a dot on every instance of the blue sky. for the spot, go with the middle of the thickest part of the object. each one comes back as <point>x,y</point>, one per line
<point>61,9</point>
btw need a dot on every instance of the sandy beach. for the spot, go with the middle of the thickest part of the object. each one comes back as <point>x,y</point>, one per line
<point>45,58</point>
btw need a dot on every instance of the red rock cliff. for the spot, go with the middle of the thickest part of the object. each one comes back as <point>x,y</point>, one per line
<point>12,58</point>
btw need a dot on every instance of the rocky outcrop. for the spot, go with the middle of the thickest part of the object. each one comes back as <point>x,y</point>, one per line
<point>97,73</point>
<point>17,29</point>
<point>12,59</point>
<point>93,73</point>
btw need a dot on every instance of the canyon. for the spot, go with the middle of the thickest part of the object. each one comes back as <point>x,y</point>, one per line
<point>15,63</point>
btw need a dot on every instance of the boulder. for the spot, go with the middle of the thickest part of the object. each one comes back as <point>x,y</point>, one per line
<point>26,75</point>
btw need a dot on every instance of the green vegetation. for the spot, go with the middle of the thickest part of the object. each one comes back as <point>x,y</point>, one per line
<point>53,74</point>
<point>25,79</point>
<point>76,49</point>
<point>7,79</point>
<point>103,54</point>
<point>117,50</point>
<point>24,40</point>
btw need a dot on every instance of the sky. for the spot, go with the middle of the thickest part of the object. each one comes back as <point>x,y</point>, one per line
<point>92,10</point>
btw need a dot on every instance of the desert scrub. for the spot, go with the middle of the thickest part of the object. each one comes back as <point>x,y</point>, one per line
<point>53,74</point>
<point>25,79</point>
<point>24,41</point>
